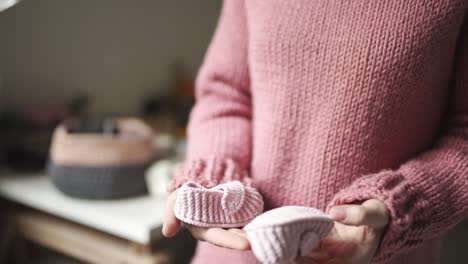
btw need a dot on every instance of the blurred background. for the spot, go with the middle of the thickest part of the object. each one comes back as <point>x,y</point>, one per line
<point>87,64</point>
<point>91,62</point>
<point>117,52</point>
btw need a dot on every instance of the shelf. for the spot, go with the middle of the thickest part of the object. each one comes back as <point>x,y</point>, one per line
<point>135,219</point>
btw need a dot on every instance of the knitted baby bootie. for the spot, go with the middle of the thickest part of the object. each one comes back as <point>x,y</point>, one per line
<point>281,235</point>
<point>226,205</point>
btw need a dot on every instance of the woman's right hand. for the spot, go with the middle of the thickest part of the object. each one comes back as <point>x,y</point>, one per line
<point>229,238</point>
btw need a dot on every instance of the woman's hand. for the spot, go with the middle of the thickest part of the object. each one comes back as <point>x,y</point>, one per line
<point>355,237</point>
<point>231,238</point>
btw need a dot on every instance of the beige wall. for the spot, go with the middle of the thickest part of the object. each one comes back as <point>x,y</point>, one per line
<point>118,50</point>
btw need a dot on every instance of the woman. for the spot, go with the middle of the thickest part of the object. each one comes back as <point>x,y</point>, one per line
<point>359,108</point>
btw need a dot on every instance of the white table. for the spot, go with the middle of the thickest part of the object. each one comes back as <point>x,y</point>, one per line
<point>88,227</point>
<point>132,219</point>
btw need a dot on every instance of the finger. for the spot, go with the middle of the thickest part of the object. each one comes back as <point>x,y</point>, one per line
<point>319,256</point>
<point>336,261</point>
<point>220,237</point>
<point>342,249</point>
<point>238,232</point>
<point>306,260</point>
<point>171,224</point>
<point>379,215</point>
<point>372,213</point>
<point>227,239</point>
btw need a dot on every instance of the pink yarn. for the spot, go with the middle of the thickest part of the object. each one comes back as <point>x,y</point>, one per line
<point>281,235</point>
<point>227,205</point>
<point>133,145</point>
<point>328,102</point>
<point>210,172</point>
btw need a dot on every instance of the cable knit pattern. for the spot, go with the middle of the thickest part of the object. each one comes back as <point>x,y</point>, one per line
<point>333,101</point>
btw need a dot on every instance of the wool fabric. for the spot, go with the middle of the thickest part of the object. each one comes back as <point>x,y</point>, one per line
<point>131,146</point>
<point>95,165</point>
<point>99,182</point>
<point>281,235</point>
<point>332,102</point>
<point>226,205</point>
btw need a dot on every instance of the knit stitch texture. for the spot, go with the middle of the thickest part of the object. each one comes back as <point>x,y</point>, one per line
<point>333,101</point>
<point>281,235</point>
<point>226,205</point>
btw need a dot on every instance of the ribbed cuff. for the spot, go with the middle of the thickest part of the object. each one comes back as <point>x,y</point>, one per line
<point>209,173</point>
<point>402,201</point>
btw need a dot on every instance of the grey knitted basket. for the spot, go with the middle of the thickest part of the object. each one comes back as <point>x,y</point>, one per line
<point>99,183</point>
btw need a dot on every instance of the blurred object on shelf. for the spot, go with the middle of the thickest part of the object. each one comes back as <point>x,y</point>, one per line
<point>25,136</point>
<point>164,123</point>
<point>171,150</point>
<point>10,123</point>
<point>45,117</point>
<point>159,175</point>
<point>157,105</point>
<point>101,158</point>
<point>169,112</point>
<point>5,4</point>
<point>184,95</point>
<point>158,113</point>
<point>164,145</point>
<point>79,106</point>
<point>106,126</point>
<point>28,154</point>
<point>180,149</point>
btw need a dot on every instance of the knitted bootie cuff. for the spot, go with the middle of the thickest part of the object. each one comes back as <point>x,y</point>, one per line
<point>283,234</point>
<point>226,205</point>
<point>209,173</point>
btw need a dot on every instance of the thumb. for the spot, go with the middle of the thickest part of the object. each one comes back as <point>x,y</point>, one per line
<point>372,213</point>
<point>171,224</point>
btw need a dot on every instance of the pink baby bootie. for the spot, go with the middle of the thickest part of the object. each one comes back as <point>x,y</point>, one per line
<point>226,205</point>
<point>281,235</point>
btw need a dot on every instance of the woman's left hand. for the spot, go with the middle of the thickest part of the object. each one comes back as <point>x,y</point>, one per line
<point>355,237</point>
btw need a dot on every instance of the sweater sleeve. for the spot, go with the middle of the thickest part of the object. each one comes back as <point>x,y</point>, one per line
<point>427,195</point>
<point>219,130</point>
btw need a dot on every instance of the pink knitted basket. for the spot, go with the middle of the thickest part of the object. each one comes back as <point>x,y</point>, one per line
<point>226,205</point>
<point>282,234</point>
<point>131,146</point>
<point>96,165</point>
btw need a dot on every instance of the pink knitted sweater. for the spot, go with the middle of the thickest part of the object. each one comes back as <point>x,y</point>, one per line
<point>335,101</point>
